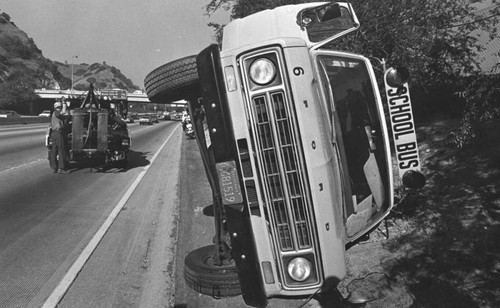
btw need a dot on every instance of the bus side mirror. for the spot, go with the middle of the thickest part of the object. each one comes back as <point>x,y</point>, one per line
<point>413,179</point>
<point>397,77</point>
<point>322,13</point>
<point>329,12</point>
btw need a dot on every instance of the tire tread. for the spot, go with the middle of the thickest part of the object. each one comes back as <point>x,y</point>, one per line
<point>210,280</point>
<point>173,80</point>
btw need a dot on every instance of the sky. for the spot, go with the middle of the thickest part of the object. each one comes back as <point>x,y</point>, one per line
<point>135,36</point>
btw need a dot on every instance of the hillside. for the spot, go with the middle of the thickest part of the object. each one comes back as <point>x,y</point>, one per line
<point>101,75</point>
<point>20,56</point>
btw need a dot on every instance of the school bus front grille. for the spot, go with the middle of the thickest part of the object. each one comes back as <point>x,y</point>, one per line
<point>281,171</point>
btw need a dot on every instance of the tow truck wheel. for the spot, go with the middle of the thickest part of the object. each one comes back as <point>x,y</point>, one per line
<point>175,80</point>
<point>204,277</point>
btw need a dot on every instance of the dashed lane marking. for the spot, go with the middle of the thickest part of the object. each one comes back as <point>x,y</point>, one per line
<point>77,266</point>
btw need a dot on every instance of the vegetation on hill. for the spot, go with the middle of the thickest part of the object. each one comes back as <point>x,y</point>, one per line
<point>100,75</point>
<point>23,68</point>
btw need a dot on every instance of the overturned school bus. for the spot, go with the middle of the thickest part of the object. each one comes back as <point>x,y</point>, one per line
<point>296,149</point>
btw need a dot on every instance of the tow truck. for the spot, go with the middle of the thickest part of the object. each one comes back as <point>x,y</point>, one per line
<point>296,149</point>
<point>95,129</point>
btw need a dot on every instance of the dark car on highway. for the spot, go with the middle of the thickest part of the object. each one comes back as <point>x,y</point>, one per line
<point>9,114</point>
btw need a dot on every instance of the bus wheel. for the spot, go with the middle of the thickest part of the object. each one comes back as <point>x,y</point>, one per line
<point>173,81</point>
<point>204,277</point>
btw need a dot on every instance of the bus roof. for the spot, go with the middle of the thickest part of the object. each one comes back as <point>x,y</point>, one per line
<point>278,23</point>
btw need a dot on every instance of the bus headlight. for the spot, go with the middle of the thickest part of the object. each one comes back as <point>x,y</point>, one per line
<point>299,269</point>
<point>262,71</point>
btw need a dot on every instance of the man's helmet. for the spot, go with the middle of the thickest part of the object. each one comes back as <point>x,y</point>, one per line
<point>57,104</point>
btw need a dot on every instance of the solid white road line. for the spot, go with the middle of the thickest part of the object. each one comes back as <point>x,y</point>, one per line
<point>77,266</point>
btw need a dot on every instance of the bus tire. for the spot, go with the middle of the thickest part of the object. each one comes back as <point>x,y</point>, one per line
<point>173,81</point>
<point>202,276</point>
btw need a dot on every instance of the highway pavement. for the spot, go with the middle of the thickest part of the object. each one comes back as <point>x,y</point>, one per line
<point>106,237</point>
<point>47,221</point>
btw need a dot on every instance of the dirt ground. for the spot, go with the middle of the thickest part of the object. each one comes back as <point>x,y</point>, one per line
<point>443,247</point>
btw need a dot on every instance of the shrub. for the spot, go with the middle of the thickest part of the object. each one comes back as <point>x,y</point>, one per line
<point>15,46</point>
<point>482,96</point>
<point>80,72</point>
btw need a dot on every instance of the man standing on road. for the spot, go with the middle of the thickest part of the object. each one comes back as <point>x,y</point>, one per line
<point>184,118</point>
<point>58,159</point>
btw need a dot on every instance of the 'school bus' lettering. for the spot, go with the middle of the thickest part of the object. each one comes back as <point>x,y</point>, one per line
<point>403,129</point>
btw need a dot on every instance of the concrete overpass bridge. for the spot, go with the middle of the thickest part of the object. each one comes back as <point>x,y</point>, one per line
<point>57,94</point>
<point>134,97</point>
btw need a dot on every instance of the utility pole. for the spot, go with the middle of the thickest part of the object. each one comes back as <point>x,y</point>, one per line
<point>72,64</point>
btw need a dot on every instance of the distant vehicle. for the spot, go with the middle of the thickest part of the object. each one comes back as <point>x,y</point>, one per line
<point>45,113</point>
<point>166,115</point>
<point>9,114</point>
<point>154,116</point>
<point>146,119</point>
<point>175,116</point>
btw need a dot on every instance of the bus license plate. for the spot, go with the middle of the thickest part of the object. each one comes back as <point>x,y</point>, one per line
<point>228,182</point>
